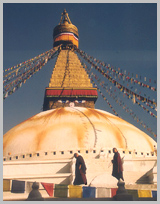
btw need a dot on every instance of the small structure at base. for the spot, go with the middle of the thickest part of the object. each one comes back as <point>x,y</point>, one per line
<point>35,195</point>
<point>122,193</point>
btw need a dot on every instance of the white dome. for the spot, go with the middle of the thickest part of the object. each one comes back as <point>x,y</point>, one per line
<point>67,128</point>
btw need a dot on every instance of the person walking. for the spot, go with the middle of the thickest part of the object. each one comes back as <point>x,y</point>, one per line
<point>80,170</point>
<point>117,171</point>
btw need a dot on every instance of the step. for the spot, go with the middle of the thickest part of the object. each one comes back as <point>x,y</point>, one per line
<point>58,175</point>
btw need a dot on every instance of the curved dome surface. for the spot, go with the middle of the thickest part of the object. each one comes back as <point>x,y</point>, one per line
<point>74,127</point>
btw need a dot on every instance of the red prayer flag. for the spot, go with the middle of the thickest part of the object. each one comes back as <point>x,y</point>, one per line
<point>113,191</point>
<point>48,187</point>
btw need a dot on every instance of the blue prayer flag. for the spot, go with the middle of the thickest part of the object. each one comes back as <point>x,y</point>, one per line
<point>154,194</point>
<point>89,192</point>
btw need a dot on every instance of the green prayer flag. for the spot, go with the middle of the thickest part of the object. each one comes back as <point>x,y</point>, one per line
<point>61,190</point>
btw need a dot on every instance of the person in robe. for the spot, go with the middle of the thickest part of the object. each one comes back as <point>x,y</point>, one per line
<point>117,171</point>
<point>80,170</point>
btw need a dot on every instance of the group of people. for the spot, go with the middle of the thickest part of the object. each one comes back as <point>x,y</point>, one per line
<point>80,168</point>
<point>80,174</point>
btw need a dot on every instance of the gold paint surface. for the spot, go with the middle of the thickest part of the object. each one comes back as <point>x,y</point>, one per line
<point>69,72</point>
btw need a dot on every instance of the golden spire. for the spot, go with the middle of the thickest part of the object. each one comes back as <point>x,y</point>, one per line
<point>69,84</point>
<point>65,17</point>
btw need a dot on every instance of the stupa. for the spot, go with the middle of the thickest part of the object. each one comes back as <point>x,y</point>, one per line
<point>41,148</point>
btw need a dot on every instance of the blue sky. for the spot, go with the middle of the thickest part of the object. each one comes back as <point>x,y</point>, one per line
<point>121,34</point>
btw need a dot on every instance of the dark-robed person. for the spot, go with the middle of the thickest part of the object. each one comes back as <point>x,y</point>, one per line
<point>80,170</point>
<point>117,171</point>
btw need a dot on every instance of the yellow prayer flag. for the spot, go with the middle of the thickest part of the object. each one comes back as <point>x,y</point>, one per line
<point>75,191</point>
<point>145,193</point>
<point>6,185</point>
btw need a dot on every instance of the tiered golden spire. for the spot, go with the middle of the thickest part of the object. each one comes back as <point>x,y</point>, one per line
<point>69,72</point>
<point>69,83</point>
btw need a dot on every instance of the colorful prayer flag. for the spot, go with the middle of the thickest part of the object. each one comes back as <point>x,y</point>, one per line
<point>61,190</point>
<point>144,193</point>
<point>75,191</point>
<point>113,191</point>
<point>154,194</point>
<point>6,185</point>
<point>134,193</point>
<point>89,192</point>
<point>48,187</point>
<point>103,192</point>
<point>18,186</point>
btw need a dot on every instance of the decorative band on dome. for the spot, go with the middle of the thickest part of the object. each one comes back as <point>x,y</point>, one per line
<point>68,33</point>
<point>65,29</point>
<point>68,37</point>
<point>71,92</point>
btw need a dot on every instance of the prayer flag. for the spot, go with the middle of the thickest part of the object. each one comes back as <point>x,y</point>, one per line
<point>75,191</point>
<point>113,191</point>
<point>49,188</point>
<point>134,193</point>
<point>18,186</point>
<point>6,185</point>
<point>154,194</point>
<point>61,190</point>
<point>89,192</point>
<point>103,192</point>
<point>144,193</point>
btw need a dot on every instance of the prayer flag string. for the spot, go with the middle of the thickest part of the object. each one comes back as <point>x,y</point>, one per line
<point>117,84</point>
<point>71,191</point>
<point>119,73</point>
<point>29,61</point>
<point>18,68</point>
<point>133,96</point>
<point>28,72</point>
<point>118,101</point>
